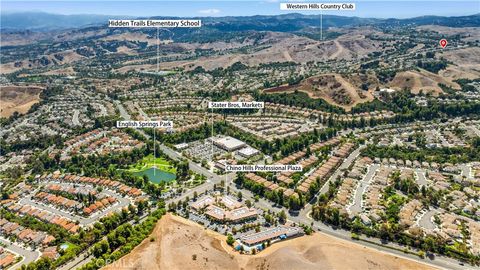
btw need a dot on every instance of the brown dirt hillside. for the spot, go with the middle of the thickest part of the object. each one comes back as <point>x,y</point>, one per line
<point>333,88</point>
<point>182,244</point>
<point>421,80</point>
<point>18,99</point>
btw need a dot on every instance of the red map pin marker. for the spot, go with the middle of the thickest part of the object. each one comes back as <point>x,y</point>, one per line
<point>443,43</point>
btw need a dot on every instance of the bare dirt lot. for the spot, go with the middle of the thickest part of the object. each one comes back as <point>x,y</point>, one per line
<point>18,98</point>
<point>421,80</point>
<point>64,57</point>
<point>466,58</point>
<point>182,244</point>
<point>333,88</point>
<point>61,71</point>
<point>278,47</point>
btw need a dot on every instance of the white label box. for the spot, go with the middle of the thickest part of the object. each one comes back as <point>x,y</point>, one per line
<point>264,168</point>
<point>317,6</point>
<point>236,105</point>
<point>155,23</point>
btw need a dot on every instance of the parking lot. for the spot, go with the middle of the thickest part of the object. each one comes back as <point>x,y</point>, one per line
<point>203,150</point>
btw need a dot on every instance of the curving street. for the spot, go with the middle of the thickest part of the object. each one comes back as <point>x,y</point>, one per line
<point>303,216</point>
<point>28,255</point>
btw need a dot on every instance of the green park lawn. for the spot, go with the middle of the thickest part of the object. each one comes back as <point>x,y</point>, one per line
<point>149,162</point>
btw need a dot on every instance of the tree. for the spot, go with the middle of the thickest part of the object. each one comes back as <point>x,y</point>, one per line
<point>282,217</point>
<point>239,196</point>
<point>268,218</point>
<point>100,248</point>
<point>131,209</point>
<point>308,152</point>
<point>230,240</point>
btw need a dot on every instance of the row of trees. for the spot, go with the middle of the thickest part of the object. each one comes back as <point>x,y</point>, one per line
<point>82,240</point>
<point>122,240</point>
<point>298,99</point>
<point>282,146</point>
<point>440,155</point>
<point>113,166</point>
<point>402,103</point>
<point>292,202</point>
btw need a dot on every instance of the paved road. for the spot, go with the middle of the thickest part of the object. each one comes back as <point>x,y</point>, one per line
<point>421,179</point>
<point>75,120</point>
<point>425,221</point>
<point>475,129</point>
<point>123,113</point>
<point>28,255</point>
<point>193,166</point>
<point>212,177</point>
<point>303,215</point>
<point>122,202</point>
<point>356,207</point>
<point>84,257</point>
<point>466,171</point>
<point>441,137</point>
<point>142,113</point>
<point>300,218</point>
<point>345,164</point>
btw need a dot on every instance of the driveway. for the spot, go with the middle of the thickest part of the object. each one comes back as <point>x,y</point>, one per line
<point>122,202</point>
<point>426,222</point>
<point>356,207</point>
<point>28,255</point>
<point>421,179</point>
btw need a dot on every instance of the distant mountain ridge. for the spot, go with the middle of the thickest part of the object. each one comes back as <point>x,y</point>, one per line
<point>46,21</point>
<point>41,21</point>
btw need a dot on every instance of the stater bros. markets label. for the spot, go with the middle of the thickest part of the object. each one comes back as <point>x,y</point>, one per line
<point>264,168</point>
<point>317,6</point>
<point>144,124</point>
<point>236,105</point>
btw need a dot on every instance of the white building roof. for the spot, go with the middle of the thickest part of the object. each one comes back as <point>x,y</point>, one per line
<point>181,146</point>
<point>229,143</point>
<point>248,151</point>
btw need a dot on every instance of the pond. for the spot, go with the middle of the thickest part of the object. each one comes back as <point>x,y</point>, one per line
<point>156,176</point>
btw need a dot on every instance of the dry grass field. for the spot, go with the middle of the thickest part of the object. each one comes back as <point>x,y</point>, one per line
<point>333,88</point>
<point>469,33</point>
<point>18,99</point>
<point>421,80</point>
<point>67,57</point>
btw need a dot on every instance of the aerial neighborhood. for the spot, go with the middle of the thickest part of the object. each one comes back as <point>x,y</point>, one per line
<point>280,141</point>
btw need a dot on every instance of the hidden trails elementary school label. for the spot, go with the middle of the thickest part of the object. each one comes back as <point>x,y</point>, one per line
<point>236,105</point>
<point>317,6</point>
<point>155,23</point>
<point>264,168</point>
<point>144,124</point>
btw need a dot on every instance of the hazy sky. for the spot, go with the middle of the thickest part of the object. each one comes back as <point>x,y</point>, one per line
<point>364,8</point>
